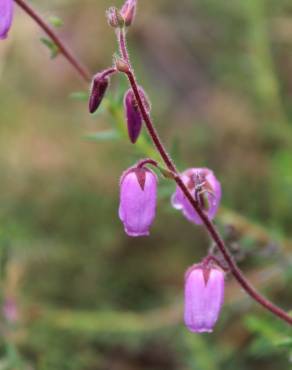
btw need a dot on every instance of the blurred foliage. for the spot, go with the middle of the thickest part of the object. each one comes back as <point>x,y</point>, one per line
<point>88,297</point>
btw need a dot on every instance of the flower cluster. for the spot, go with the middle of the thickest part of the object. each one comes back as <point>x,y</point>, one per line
<point>204,283</point>
<point>201,182</point>
<point>198,192</point>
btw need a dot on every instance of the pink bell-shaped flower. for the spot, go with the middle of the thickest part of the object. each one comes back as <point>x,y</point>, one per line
<point>138,195</point>
<point>204,295</point>
<point>205,188</point>
<point>6,16</point>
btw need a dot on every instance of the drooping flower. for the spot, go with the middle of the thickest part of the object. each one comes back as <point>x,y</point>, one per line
<point>133,114</point>
<point>128,11</point>
<point>205,188</point>
<point>6,16</point>
<point>99,86</point>
<point>138,195</point>
<point>204,295</point>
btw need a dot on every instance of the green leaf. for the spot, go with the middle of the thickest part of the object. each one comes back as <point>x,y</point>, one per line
<point>103,136</point>
<point>79,95</point>
<point>284,342</point>
<point>166,172</point>
<point>270,335</point>
<point>51,46</point>
<point>263,327</point>
<point>56,21</point>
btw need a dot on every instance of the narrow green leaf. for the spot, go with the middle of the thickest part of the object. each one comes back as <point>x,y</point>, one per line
<point>51,46</point>
<point>56,21</point>
<point>79,95</point>
<point>103,136</point>
<point>284,342</point>
<point>166,173</point>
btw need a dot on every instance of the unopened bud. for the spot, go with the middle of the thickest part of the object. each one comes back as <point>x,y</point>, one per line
<point>128,11</point>
<point>114,17</point>
<point>98,88</point>
<point>133,113</point>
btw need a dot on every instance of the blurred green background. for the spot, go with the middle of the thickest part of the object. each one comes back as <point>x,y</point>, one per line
<point>87,297</point>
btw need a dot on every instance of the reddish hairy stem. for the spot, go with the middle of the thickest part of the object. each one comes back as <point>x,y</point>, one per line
<point>108,72</point>
<point>214,234</point>
<point>122,44</point>
<point>82,71</point>
<point>146,161</point>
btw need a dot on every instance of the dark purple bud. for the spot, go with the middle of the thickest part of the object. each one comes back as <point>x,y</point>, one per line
<point>133,114</point>
<point>114,17</point>
<point>6,15</point>
<point>98,88</point>
<point>128,11</point>
<point>204,295</point>
<point>138,195</point>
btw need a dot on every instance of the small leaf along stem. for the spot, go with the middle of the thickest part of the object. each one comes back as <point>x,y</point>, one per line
<point>209,226</point>
<point>63,49</point>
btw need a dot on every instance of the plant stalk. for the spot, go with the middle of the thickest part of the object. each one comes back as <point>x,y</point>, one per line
<point>209,226</point>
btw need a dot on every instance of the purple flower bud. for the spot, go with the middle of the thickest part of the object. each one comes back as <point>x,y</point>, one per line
<point>204,295</point>
<point>6,15</point>
<point>114,17</point>
<point>138,194</point>
<point>205,188</point>
<point>98,88</point>
<point>133,114</point>
<point>128,11</point>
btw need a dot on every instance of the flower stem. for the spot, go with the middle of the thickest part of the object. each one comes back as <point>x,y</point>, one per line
<point>108,72</point>
<point>146,161</point>
<point>82,71</point>
<point>121,35</point>
<point>209,226</point>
